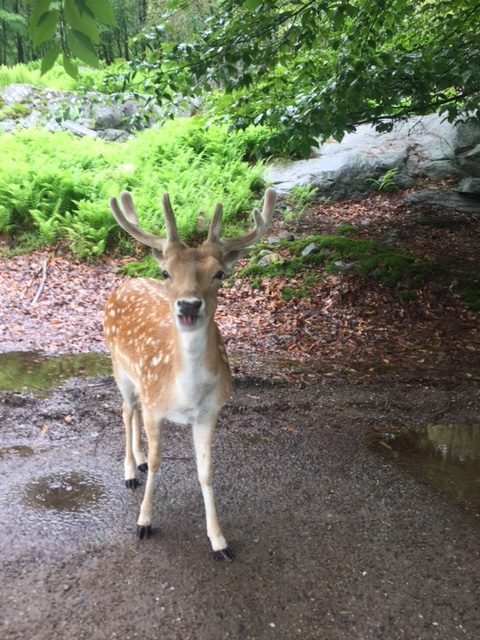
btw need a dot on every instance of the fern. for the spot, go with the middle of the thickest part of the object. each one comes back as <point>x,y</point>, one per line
<point>56,185</point>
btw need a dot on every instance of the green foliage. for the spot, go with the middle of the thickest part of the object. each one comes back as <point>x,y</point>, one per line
<point>57,186</point>
<point>147,268</point>
<point>14,110</point>
<point>298,200</point>
<point>56,78</point>
<point>471,293</point>
<point>346,229</point>
<point>364,257</point>
<point>77,22</point>
<point>386,182</point>
<point>318,69</point>
<point>303,291</point>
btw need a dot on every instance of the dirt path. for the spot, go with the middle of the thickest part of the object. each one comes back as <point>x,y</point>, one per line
<point>332,539</point>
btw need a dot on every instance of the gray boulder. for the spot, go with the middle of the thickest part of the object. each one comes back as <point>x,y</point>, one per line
<point>445,200</point>
<point>17,93</point>
<point>470,185</point>
<point>419,147</point>
<point>109,117</point>
<point>113,135</point>
<point>77,129</point>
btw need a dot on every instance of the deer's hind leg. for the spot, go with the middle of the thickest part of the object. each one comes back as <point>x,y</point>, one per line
<point>134,456</point>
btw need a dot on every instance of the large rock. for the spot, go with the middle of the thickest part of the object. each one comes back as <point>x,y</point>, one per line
<point>109,117</point>
<point>78,129</point>
<point>445,200</point>
<point>419,147</point>
<point>17,92</point>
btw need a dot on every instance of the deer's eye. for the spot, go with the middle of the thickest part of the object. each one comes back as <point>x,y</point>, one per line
<point>219,275</point>
<point>165,275</point>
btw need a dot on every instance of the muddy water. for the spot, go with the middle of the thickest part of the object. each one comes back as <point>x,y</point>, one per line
<point>38,373</point>
<point>68,492</point>
<point>445,455</point>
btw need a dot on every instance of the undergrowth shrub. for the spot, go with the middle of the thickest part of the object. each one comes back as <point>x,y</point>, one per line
<point>57,186</point>
<point>57,78</point>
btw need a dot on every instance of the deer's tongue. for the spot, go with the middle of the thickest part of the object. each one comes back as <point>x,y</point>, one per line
<point>188,320</point>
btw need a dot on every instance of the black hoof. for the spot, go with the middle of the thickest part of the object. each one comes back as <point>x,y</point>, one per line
<point>143,467</point>
<point>132,483</point>
<point>144,532</point>
<point>224,554</point>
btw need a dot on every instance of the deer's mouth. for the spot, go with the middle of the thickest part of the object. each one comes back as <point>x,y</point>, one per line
<point>188,320</point>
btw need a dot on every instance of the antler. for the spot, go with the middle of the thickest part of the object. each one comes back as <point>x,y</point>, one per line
<point>127,218</point>
<point>262,222</point>
<point>215,225</point>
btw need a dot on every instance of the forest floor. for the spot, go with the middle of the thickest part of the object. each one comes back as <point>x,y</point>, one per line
<point>337,534</point>
<point>349,325</point>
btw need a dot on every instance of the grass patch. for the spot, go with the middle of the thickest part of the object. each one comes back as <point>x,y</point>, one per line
<point>346,229</point>
<point>56,186</point>
<point>337,254</point>
<point>470,293</point>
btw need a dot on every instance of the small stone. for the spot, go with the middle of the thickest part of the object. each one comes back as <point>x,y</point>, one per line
<point>344,266</point>
<point>309,249</point>
<point>270,258</point>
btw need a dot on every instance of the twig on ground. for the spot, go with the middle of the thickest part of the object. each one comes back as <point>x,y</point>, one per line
<point>41,286</point>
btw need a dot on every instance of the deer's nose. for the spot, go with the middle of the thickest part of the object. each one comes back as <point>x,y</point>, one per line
<point>189,307</point>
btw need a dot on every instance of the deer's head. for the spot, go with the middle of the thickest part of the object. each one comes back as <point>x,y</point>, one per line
<point>193,275</point>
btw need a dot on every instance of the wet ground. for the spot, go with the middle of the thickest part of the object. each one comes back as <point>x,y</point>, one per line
<point>329,493</point>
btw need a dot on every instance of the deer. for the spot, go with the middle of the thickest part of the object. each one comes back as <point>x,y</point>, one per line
<point>168,356</point>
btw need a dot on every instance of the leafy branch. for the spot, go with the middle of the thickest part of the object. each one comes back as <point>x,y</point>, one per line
<point>71,28</point>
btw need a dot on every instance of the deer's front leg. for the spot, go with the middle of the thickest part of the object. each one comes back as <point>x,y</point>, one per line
<point>202,439</point>
<point>153,431</point>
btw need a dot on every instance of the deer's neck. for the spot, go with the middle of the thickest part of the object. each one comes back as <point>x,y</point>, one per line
<point>195,348</point>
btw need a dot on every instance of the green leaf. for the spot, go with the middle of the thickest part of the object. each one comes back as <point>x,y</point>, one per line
<point>81,22</point>
<point>252,4</point>
<point>46,28</point>
<point>82,47</point>
<point>49,58</point>
<point>102,11</point>
<point>70,67</point>
<point>41,7</point>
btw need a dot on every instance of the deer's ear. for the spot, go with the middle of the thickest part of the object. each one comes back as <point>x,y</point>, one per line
<point>231,257</point>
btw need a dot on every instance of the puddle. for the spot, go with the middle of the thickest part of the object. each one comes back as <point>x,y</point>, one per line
<point>20,450</point>
<point>68,492</point>
<point>445,455</point>
<point>36,372</point>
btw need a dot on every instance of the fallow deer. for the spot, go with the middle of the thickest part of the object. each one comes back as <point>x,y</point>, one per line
<point>168,357</point>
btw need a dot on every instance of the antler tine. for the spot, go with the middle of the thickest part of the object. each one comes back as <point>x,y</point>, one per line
<point>129,208</point>
<point>262,222</point>
<point>170,223</point>
<point>215,226</point>
<point>127,218</point>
